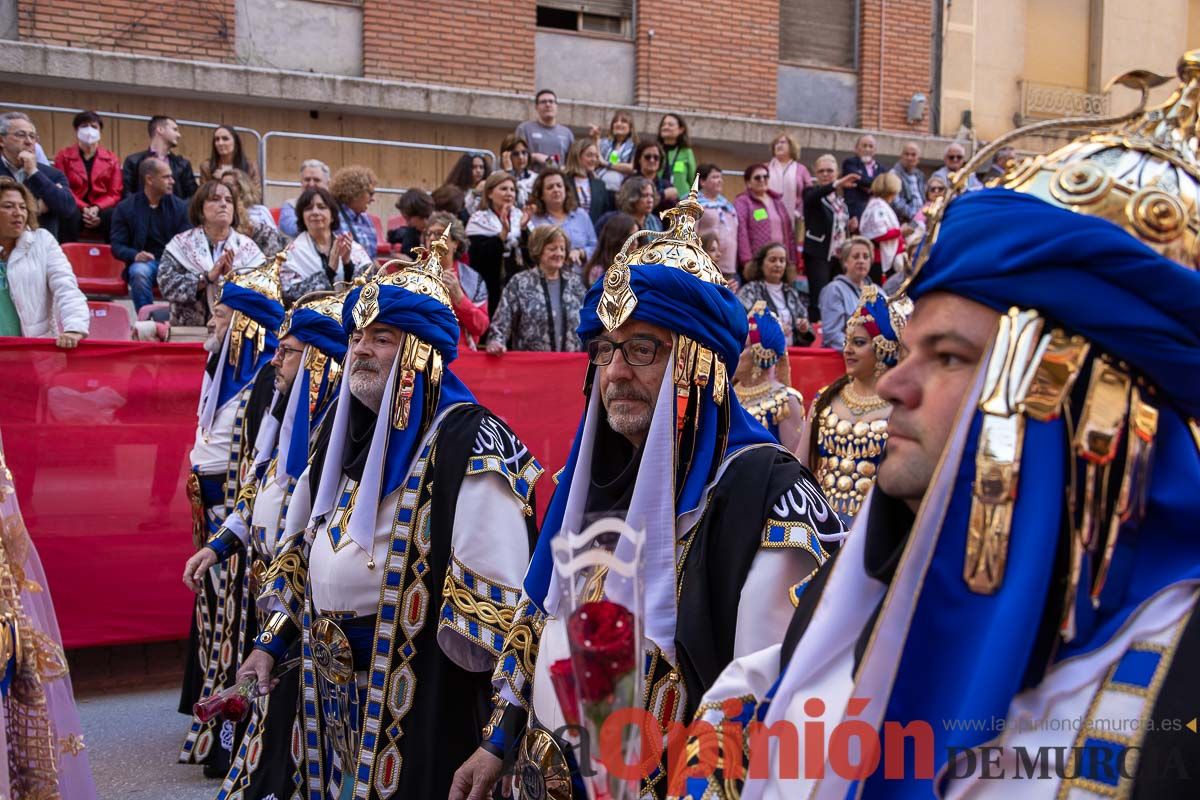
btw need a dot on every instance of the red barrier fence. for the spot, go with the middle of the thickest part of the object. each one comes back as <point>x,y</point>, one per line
<point>98,440</point>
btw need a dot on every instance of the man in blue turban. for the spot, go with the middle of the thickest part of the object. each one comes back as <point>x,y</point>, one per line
<point>1018,595</point>
<point>312,348</point>
<point>404,546</point>
<point>234,400</point>
<point>731,520</point>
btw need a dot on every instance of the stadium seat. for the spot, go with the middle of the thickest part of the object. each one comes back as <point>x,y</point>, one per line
<point>96,269</point>
<point>382,246</point>
<point>275,212</point>
<point>110,321</point>
<point>396,221</point>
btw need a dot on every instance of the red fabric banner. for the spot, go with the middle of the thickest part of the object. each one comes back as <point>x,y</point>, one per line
<point>98,441</point>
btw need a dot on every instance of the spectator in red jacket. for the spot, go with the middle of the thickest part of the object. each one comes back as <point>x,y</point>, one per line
<point>94,175</point>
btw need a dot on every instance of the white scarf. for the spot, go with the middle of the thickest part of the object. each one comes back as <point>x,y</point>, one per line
<point>303,260</point>
<point>191,249</point>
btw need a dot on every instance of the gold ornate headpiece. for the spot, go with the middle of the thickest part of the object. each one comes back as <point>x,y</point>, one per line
<point>263,279</point>
<point>328,304</point>
<point>1139,170</point>
<point>677,247</point>
<point>422,276</point>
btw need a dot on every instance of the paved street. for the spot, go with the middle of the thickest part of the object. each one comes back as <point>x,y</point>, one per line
<point>133,736</point>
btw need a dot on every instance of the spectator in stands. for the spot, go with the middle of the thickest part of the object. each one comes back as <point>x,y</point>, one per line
<point>196,261</point>
<point>880,224</point>
<point>769,277</point>
<point>679,162</point>
<point>554,204</point>
<point>590,192</point>
<point>36,280</point>
<point>323,253</point>
<point>468,292</point>
<point>548,141</point>
<point>720,217</point>
<point>762,217</point>
<point>616,151</point>
<point>227,152</point>
<point>257,222</point>
<point>912,183</point>
<point>637,198</point>
<point>93,173</point>
<point>164,137</point>
<point>451,200</point>
<point>825,221</point>
<point>354,189</point>
<point>539,309</point>
<point>616,231</point>
<point>788,177</point>
<point>935,190</point>
<point>514,159</point>
<point>1003,159</point>
<point>864,165</point>
<point>416,206</point>
<point>953,159</point>
<point>468,174</point>
<point>56,209</point>
<point>495,234</point>
<point>647,161</point>
<point>712,245</point>
<point>144,224</point>
<point>839,298</point>
<point>312,173</point>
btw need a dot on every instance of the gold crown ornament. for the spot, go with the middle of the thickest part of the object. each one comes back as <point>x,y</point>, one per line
<point>328,304</point>
<point>1139,170</point>
<point>263,279</point>
<point>422,276</point>
<point>677,247</point>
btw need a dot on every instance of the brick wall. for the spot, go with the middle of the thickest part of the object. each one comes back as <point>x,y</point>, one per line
<point>721,56</point>
<point>194,29</point>
<point>906,27</point>
<point>478,45</point>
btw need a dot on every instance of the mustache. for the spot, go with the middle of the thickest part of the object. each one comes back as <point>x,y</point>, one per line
<point>366,365</point>
<point>618,391</point>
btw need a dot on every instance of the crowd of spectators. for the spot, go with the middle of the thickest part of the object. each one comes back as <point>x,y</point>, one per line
<point>527,235</point>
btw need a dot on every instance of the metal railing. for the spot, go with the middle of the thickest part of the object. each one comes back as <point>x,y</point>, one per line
<point>320,137</point>
<point>191,123</point>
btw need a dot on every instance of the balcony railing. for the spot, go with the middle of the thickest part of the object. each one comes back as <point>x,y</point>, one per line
<point>1045,101</point>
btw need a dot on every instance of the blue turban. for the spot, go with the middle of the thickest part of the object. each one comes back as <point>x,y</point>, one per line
<point>268,313</point>
<point>680,302</point>
<point>965,655</point>
<point>421,315</point>
<point>770,333</point>
<point>325,334</point>
<point>320,331</point>
<point>875,315</point>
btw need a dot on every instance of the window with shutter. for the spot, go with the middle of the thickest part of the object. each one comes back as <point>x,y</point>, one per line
<point>593,16</point>
<point>818,33</point>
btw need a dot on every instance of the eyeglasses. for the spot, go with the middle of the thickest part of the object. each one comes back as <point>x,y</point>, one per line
<point>28,136</point>
<point>288,351</point>
<point>758,177</point>
<point>937,189</point>
<point>547,101</point>
<point>639,351</point>
<point>953,157</point>
<point>651,157</point>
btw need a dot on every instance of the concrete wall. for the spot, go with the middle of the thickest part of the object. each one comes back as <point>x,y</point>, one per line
<point>581,67</point>
<point>817,96</point>
<point>9,28</point>
<point>1142,34</point>
<point>296,34</point>
<point>1056,42</point>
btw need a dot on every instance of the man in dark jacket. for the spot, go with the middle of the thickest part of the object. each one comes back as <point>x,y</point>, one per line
<point>143,224</point>
<point>57,211</point>
<point>164,137</point>
<point>864,165</point>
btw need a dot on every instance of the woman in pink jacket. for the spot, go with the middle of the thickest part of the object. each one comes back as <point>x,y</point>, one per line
<point>762,217</point>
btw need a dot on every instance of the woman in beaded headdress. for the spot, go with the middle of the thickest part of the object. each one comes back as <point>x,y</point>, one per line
<point>847,424</point>
<point>762,379</point>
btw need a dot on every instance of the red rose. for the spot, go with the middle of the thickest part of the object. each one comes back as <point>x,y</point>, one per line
<point>602,647</point>
<point>209,707</point>
<point>236,708</point>
<point>562,676</point>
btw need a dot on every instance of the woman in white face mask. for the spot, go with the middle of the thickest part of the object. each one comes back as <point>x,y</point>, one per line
<point>94,174</point>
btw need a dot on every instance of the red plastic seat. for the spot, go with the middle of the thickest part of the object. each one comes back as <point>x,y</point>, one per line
<point>110,321</point>
<point>383,247</point>
<point>275,212</point>
<point>96,269</point>
<point>396,221</point>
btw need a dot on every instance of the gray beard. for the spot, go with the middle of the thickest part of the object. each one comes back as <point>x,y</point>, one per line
<point>212,344</point>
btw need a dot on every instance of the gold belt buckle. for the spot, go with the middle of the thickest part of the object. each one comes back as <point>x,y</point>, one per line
<point>331,652</point>
<point>196,500</point>
<point>542,770</point>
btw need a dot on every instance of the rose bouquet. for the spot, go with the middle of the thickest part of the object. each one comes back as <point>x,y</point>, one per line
<point>231,703</point>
